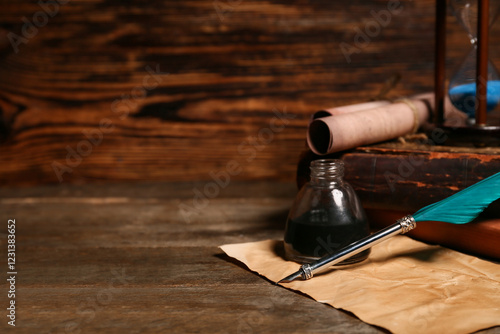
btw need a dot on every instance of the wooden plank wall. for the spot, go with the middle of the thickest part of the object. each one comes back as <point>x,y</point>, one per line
<point>114,90</point>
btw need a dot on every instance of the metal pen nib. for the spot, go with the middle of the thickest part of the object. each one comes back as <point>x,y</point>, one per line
<point>307,271</point>
<point>291,277</point>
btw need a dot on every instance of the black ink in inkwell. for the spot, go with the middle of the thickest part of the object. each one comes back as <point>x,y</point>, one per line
<point>326,216</point>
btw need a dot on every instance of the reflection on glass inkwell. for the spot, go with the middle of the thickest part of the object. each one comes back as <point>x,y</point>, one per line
<point>326,216</point>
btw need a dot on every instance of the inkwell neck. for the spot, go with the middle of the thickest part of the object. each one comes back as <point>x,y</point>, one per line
<point>327,171</point>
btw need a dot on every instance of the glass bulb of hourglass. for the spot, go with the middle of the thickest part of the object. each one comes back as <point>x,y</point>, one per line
<point>462,88</point>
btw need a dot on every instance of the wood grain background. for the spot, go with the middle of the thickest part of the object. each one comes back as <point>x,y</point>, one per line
<point>113,90</point>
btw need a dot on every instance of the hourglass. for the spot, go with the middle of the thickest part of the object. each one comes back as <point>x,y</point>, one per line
<point>462,87</point>
<point>475,87</point>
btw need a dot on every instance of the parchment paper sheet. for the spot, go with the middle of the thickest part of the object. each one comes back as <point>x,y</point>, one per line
<point>405,286</point>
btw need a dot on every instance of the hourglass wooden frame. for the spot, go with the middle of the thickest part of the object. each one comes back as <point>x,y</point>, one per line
<point>481,67</point>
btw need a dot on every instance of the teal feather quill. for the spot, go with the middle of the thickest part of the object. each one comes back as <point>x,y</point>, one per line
<point>460,208</point>
<point>463,206</point>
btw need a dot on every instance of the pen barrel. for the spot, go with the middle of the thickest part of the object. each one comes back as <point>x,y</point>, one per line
<point>403,225</point>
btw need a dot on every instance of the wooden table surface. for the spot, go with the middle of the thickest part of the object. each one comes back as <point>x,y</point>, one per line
<point>126,259</point>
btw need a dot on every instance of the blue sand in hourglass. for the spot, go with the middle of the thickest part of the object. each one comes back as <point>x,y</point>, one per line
<point>463,96</point>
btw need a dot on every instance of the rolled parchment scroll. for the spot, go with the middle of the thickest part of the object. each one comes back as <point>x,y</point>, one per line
<point>348,129</point>
<point>348,109</point>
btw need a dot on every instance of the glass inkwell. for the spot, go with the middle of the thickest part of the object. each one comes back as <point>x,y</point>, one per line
<point>325,217</point>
